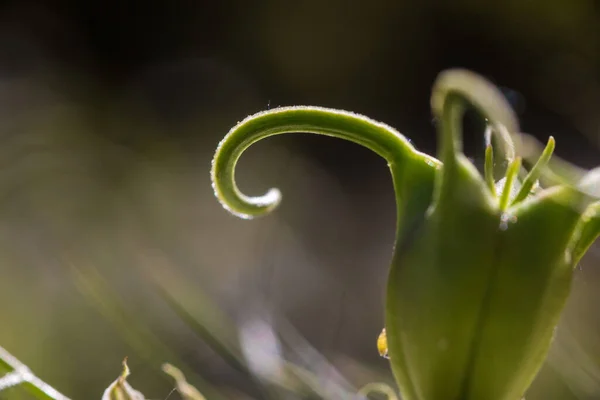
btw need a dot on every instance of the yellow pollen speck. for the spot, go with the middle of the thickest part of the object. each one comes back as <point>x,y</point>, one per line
<point>382,344</point>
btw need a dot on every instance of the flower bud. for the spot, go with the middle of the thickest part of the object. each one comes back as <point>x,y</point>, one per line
<point>481,268</point>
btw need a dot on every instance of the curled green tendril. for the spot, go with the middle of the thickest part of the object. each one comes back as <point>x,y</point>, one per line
<point>380,138</point>
<point>377,387</point>
<point>481,269</point>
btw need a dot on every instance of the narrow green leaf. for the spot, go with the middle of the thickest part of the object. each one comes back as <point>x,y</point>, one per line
<point>489,169</point>
<point>535,172</point>
<point>511,174</point>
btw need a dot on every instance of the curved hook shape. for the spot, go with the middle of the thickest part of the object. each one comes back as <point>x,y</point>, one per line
<point>453,92</point>
<point>455,89</point>
<point>380,138</point>
<point>377,387</point>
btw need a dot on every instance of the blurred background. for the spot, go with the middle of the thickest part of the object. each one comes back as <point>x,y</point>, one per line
<point>112,243</point>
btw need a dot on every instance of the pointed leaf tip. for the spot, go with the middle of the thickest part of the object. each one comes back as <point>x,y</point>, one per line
<point>120,389</point>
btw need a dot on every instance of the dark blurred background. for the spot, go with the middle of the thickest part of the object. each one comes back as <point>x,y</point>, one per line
<point>112,243</point>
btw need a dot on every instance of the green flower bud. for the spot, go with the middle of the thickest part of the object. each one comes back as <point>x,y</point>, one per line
<point>481,269</point>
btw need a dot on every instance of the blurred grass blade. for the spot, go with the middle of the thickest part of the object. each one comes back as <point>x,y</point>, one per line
<point>20,374</point>
<point>198,312</point>
<point>138,336</point>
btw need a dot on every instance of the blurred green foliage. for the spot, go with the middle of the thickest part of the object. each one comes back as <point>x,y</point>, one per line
<point>110,112</point>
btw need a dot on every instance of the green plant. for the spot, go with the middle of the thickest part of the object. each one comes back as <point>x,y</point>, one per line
<point>119,389</point>
<point>481,269</point>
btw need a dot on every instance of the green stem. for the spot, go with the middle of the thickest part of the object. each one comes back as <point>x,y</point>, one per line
<point>378,137</point>
<point>457,88</point>
<point>508,146</point>
<point>489,169</point>
<point>511,174</point>
<point>453,92</point>
<point>535,172</point>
